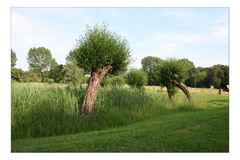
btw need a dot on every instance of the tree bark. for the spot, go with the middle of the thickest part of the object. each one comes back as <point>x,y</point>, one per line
<point>92,89</point>
<point>184,88</point>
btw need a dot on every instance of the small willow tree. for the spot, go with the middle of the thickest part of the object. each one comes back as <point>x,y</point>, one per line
<point>98,52</point>
<point>172,73</point>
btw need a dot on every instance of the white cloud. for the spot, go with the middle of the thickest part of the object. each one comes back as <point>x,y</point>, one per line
<point>182,45</point>
<point>215,35</point>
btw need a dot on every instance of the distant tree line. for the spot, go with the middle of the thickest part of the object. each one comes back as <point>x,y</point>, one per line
<point>44,68</point>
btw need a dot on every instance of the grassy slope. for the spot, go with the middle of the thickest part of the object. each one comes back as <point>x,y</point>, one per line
<point>204,130</point>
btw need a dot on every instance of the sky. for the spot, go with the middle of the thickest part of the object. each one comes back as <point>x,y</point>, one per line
<point>198,34</point>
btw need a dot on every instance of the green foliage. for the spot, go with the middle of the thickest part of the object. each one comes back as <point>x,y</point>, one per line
<point>191,81</point>
<point>48,80</point>
<point>39,59</point>
<point>17,74</point>
<point>73,74</point>
<point>170,70</point>
<point>218,76</point>
<point>188,64</point>
<point>53,64</point>
<point>113,80</point>
<point>149,66</point>
<point>191,72</point>
<point>13,58</point>
<point>100,47</point>
<point>57,73</point>
<point>31,76</point>
<point>225,78</point>
<point>136,78</point>
<point>201,77</point>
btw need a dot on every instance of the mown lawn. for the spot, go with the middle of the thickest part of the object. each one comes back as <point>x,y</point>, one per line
<point>203,130</point>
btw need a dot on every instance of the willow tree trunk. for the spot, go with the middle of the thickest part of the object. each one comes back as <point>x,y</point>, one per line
<point>184,88</point>
<point>92,89</point>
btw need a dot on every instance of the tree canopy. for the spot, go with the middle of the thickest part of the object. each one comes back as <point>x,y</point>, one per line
<point>73,74</point>
<point>99,48</point>
<point>218,76</point>
<point>170,70</point>
<point>39,60</point>
<point>13,58</point>
<point>149,64</point>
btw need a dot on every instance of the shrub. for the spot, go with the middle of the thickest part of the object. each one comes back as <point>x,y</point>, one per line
<point>17,74</point>
<point>31,76</point>
<point>136,78</point>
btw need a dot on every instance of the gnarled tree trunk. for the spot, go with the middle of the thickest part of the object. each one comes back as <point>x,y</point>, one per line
<point>92,89</point>
<point>184,88</point>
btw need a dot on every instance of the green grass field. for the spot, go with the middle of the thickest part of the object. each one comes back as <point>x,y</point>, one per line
<point>46,119</point>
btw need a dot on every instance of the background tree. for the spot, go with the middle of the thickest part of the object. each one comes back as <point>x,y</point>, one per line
<point>53,63</point>
<point>201,75</point>
<point>218,76</point>
<point>191,81</point>
<point>148,65</point>
<point>191,72</point>
<point>13,58</point>
<point>136,78</point>
<point>98,52</point>
<point>113,80</point>
<point>57,73</point>
<point>39,59</point>
<point>73,74</point>
<point>225,79</point>
<point>172,73</point>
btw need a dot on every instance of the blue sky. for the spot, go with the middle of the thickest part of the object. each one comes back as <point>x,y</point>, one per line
<point>199,34</point>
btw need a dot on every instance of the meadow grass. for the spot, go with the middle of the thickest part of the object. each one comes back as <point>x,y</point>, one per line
<point>125,119</point>
<point>48,110</point>
<point>191,131</point>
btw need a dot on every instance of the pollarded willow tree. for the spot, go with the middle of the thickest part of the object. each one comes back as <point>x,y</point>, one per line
<point>98,52</point>
<point>172,73</point>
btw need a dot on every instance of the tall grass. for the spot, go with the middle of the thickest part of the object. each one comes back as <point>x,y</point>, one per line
<point>42,111</point>
<point>39,111</point>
